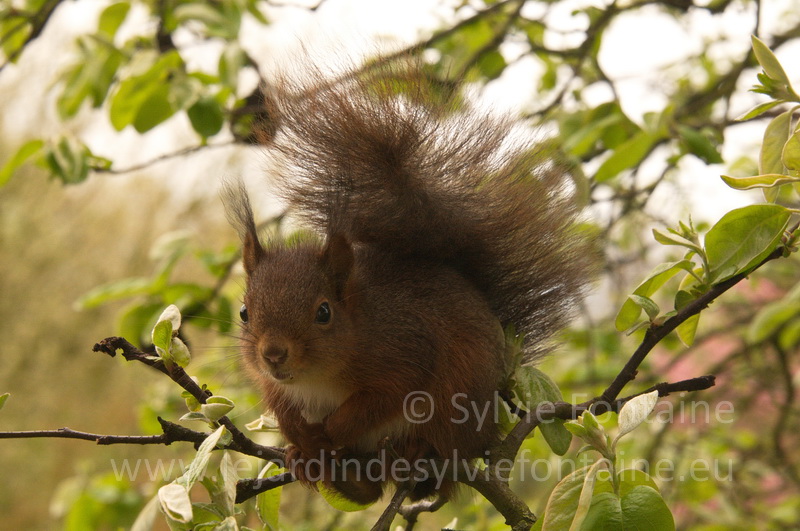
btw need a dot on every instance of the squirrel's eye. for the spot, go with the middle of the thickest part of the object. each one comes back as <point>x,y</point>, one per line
<point>323,313</point>
<point>243,313</point>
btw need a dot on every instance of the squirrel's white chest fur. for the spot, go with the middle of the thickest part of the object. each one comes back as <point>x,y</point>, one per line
<point>316,401</point>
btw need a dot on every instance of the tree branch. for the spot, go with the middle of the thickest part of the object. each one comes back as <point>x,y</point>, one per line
<point>67,433</point>
<point>239,443</point>
<point>496,490</point>
<point>38,21</point>
<point>656,333</point>
<point>385,521</point>
<point>161,158</point>
<point>549,411</point>
<point>247,488</point>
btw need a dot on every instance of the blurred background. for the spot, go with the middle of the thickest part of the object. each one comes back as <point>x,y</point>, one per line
<point>118,121</point>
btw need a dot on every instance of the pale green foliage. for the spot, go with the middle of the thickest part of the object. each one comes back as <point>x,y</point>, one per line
<point>533,387</point>
<point>145,81</point>
<point>599,497</point>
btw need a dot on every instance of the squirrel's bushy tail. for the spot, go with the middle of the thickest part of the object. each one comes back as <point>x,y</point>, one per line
<point>424,180</point>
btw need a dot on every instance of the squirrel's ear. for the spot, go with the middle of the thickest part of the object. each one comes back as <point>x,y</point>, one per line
<point>240,214</point>
<point>337,262</point>
<point>252,251</point>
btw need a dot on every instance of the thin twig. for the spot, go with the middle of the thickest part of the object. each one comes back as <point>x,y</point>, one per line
<point>549,411</point>
<point>411,512</point>
<point>239,441</point>
<point>656,333</point>
<point>385,521</point>
<point>68,433</point>
<point>247,488</point>
<point>38,21</point>
<point>161,158</point>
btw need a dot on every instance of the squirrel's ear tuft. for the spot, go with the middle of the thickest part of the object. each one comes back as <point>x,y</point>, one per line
<point>240,215</point>
<point>337,262</point>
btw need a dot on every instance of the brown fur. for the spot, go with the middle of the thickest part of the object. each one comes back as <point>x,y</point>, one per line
<point>441,227</point>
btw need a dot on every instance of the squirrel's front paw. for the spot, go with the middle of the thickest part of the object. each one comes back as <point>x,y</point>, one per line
<point>306,468</point>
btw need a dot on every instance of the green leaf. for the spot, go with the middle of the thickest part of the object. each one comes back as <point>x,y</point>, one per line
<point>534,387</point>
<point>252,8</point>
<point>68,159</point>
<point>263,423</point>
<point>175,502</point>
<point>647,304</point>
<point>636,411</point>
<point>154,110</point>
<point>558,438</point>
<point>134,91</point>
<point>593,433</point>
<point>506,420</point>
<point>162,336</point>
<point>491,64</point>
<point>337,501</point>
<point>685,293</point>
<point>775,136</point>
<point>743,238</point>
<point>112,18</point>
<point>789,336</point>
<point>669,238</point>
<point>629,313</point>
<point>585,139</point>
<point>687,330</point>
<point>560,512</point>
<point>585,499</point>
<point>206,117</point>
<point>768,61</point>
<point>699,145</point>
<point>194,416</point>
<point>759,181</point>
<point>229,478</point>
<point>644,508</point>
<point>224,315</point>
<point>172,314</point>
<point>3,399</point>
<point>91,75</point>
<point>192,404</point>
<point>630,478</point>
<point>268,502</point>
<point>605,514</point>
<point>772,318</point>
<point>216,407</point>
<point>576,429</point>
<point>758,110</point>
<point>147,516</point>
<point>231,61</point>
<point>198,464</point>
<point>201,12</point>
<point>26,151</point>
<point>626,155</point>
<point>14,30</point>
<point>229,524</point>
<point>180,352</point>
<point>790,156</point>
<point>223,22</point>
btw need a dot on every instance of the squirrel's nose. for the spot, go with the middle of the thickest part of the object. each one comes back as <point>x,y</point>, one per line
<point>275,354</point>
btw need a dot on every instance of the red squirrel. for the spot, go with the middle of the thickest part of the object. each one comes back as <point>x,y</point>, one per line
<point>439,226</point>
